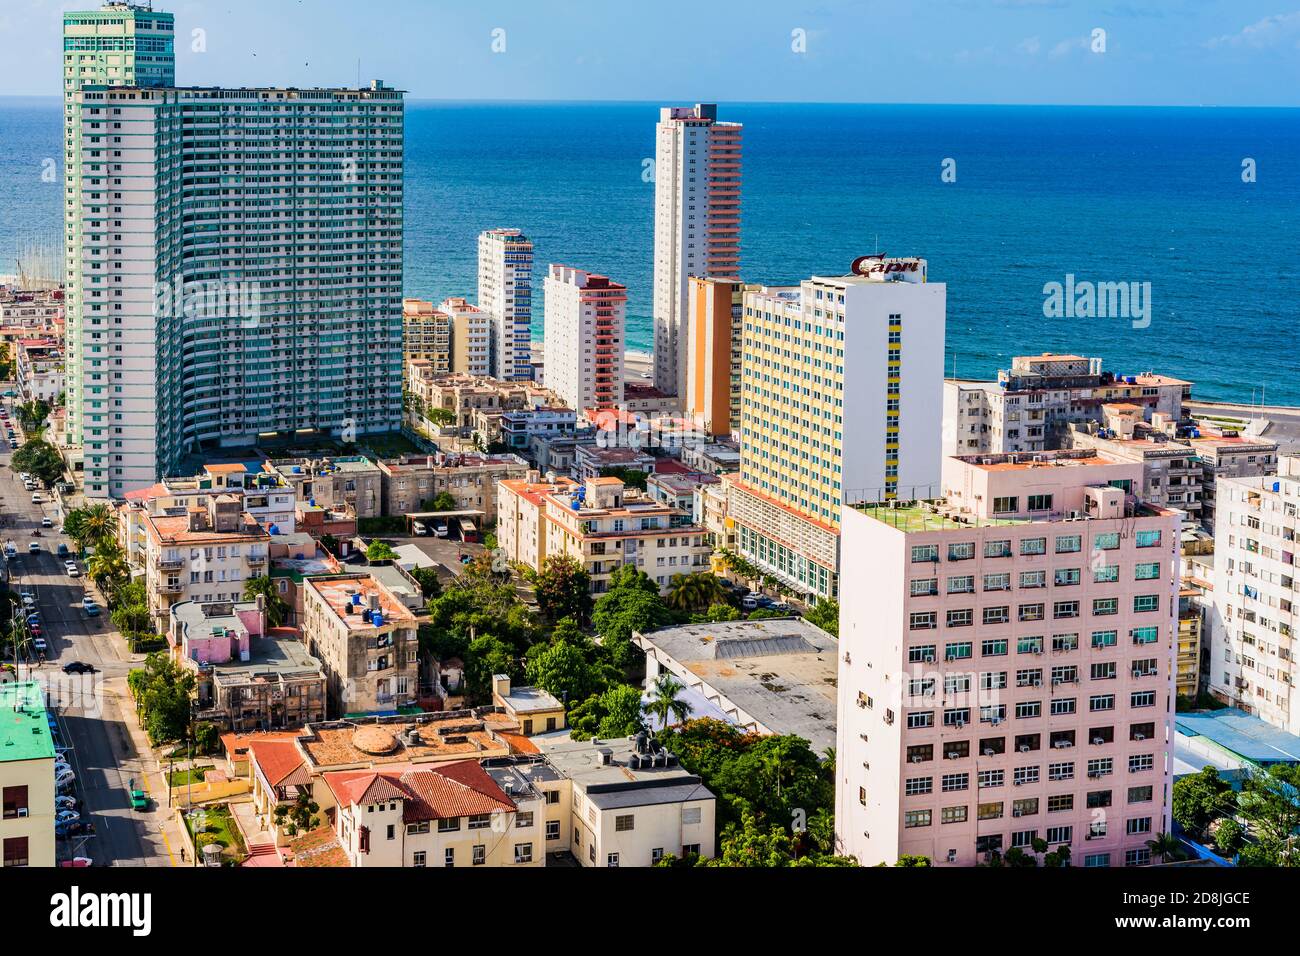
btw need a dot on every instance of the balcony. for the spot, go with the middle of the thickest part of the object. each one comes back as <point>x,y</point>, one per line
<point>168,564</point>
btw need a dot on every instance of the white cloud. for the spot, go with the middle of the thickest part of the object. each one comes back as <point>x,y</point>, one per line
<point>1261,33</point>
<point>1030,45</point>
<point>1068,46</point>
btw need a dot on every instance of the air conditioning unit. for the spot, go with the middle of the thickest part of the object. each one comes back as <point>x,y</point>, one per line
<point>1139,736</point>
<point>1094,775</point>
<point>1017,812</point>
<point>1062,744</point>
<point>22,811</point>
<point>959,724</point>
<point>1036,682</point>
<point>1098,740</point>
<point>953,755</point>
<point>988,751</point>
<point>1024,748</point>
<point>995,721</point>
<point>929,658</point>
<point>916,758</point>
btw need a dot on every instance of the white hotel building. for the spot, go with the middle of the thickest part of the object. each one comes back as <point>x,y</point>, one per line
<point>505,292</point>
<point>282,206</point>
<point>841,393</point>
<point>697,224</point>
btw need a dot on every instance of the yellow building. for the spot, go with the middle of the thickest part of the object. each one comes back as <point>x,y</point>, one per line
<point>26,777</point>
<point>1188,675</point>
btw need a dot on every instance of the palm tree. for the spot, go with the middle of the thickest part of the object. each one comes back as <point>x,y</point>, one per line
<point>694,592</point>
<point>1166,846</point>
<point>276,608</point>
<point>99,523</point>
<point>664,703</point>
<point>107,566</point>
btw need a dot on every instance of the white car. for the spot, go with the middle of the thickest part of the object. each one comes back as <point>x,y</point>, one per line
<point>28,599</point>
<point>64,777</point>
<point>419,528</point>
<point>440,530</point>
<point>71,568</point>
<point>34,547</point>
<point>46,522</point>
<point>39,645</point>
<point>25,476</point>
<point>36,498</point>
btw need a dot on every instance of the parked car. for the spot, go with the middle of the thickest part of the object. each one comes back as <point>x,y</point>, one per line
<point>29,599</point>
<point>89,606</point>
<point>79,667</point>
<point>749,602</point>
<point>36,498</point>
<point>39,645</point>
<point>46,522</point>
<point>419,528</point>
<point>65,803</point>
<point>63,550</point>
<point>440,530</point>
<point>66,816</point>
<point>71,568</point>
<point>64,778</point>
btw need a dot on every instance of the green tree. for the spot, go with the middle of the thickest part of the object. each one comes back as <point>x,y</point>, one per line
<point>912,859</point>
<point>562,670</point>
<point>427,578</point>
<point>632,603</point>
<point>563,588</point>
<point>1228,835</point>
<point>263,586</point>
<point>614,713</point>
<point>486,657</point>
<point>132,619</point>
<point>107,567</point>
<point>40,459</point>
<point>694,592</point>
<point>631,477</point>
<point>443,501</point>
<point>826,615</point>
<point>1269,805</point>
<point>162,693</point>
<point>1166,847</point>
<point>721,612</point>
<point>665,702</point>
<point>441,416</point>
<point>207,737</point>
<point>1201,798</point>
<point>378,551</point>
<point>99,523</point>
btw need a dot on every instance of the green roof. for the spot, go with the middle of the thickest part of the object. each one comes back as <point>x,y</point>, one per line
<point>914,516</point>
<point>24,728</point>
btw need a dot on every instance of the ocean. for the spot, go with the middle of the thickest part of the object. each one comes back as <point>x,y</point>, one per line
<point>1131,195</point>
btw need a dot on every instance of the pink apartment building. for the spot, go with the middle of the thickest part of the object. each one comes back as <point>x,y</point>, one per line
<point>1006,665</point>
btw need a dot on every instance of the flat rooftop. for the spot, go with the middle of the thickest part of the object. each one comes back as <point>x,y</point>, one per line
<point>445,735</point>
<point>780,672</point>
<point>338,594</point>
<point>618,783</point>
<point>1241,734</point>
<point>914,516</point>
<point>24,727</point>
<point>531,700</point>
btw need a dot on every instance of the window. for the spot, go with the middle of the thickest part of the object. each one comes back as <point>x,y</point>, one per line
<point>1142,698</point>
<point>1147,571</point>
<point>1069,543</point>
<point>1033,579</point>
<point>449,856</point>
<point>690,815</point>
<point>1101,702</point>
<point>690,849</point>
<point>1096,860</point>
<point>918,785</point>
<point>523,853</point>
<point>1147,539</point>
<point>480,855</point>
<point>418,859</point>
<point>963,584</point>
<point>953,782</point>
<point>961,651</point>
<point>448,824</point>
<point>1106,541</point>
<point>1140,794</point>
<point>1033,546</point>
<point>922,587</point>
<point>923,654</point>
<point>989,811</point>
<point>1030,612</point>
<point>656,855</point>
<point>624,822</point>
<point>1063,609</point>
<point>961,550</point>
<point>552,829</point>
<point>960,618</point>
<point>997,615</point>
<point>1065,577</point>
<point>552,796</point>
<point>15,851</point>
<point>523,819</point>
<point>1060,803</point>
<point>1102,671</point>
<point>997,549</point>
<point>916,818</point>
<point>1106,574</point>
<point>1146,602</point>
<point>953,815</point>
<point>1138,825</point>
<point>996,648</point>
<point>1102,639</point>
<point>997,582</point>
<point>1040,502</point>
<point>480,821</point>
<point>422,827</point>
<point>925,552</point>
<point>1138,857</point>
<point>14,802</point>
<point>611,860</point>
<point>924,621</point>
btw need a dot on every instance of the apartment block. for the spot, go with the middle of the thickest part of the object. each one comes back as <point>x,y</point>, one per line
<point>39,369</point>
<point>366,638</point>
<point>345,482</point>
<point>697,224</point>
<point>204,555</point>
<point>1229,454</point>
<point>120,45</point>
<point>173,326</point>
<point>1032,404</point>
<point>249,677</point>
<point>521,516</point>
<point>716,336</point>
<point>426,336</point>
<point>841,392</point>
<point>505,292</point>
<point>26,777</point>
<point>410,484</point>
<point>471,337</point>
<point>1006,665</point>
<point>584,321</point>
<point>1256,612</point>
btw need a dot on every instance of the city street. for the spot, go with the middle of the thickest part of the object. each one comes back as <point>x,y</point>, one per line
<point>94,708</point>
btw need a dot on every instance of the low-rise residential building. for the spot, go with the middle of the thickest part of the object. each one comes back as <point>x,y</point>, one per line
<point>678,488</point>
<point>39,369</point>
<point>716,458</point>
<point>604,525</point>
<point>1006,665</point>
<point>709,510</point>
<point>772,676</point>
<point>1256,615</point>
<point>453,814</point>
<point>366,639</point>
<point>1171,470</point>
<point>519,427</point>
<point>250,677</point>
<point>535,710</point>
<point>26,777</point>
<point>1229,454</point>
<point>595,460</point>
<point>631,802</point>
<point>28,309</point>
<point>521,516</point>
<point>350,482</point>
<point>203,555</point>
<point>412,483</point>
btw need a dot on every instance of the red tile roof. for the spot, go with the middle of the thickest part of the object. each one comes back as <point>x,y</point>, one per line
<point>456,789</point>
<point>276,759</point>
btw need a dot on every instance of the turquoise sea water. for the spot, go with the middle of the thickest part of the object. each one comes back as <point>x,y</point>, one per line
<point>1108,195</point>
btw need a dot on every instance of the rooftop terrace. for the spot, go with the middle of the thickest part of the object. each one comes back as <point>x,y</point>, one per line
<point>24,727</point>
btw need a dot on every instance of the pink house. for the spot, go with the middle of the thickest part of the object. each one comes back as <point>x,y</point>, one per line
<point>216,633</point>
<point>1006,665</point>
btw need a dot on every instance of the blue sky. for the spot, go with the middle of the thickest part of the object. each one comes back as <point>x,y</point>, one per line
<point>1183,52</point>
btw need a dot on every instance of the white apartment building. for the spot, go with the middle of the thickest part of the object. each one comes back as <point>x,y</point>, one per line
<point>584,322</point>
<point>1006,666</point>
<point>1255,616</point>
<point>841,391</point>
<point>505,292</point>
<point>182,334</point>
<point>1032,404</point>
<point>697,224</point>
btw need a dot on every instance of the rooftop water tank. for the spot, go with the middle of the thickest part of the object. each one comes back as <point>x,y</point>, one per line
<point>273,529</point>
<point>356,599</point>
<point>297,469</point>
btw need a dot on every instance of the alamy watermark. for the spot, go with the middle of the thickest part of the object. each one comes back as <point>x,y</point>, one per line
<point>1085,299</point>
<point>210,299</point>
